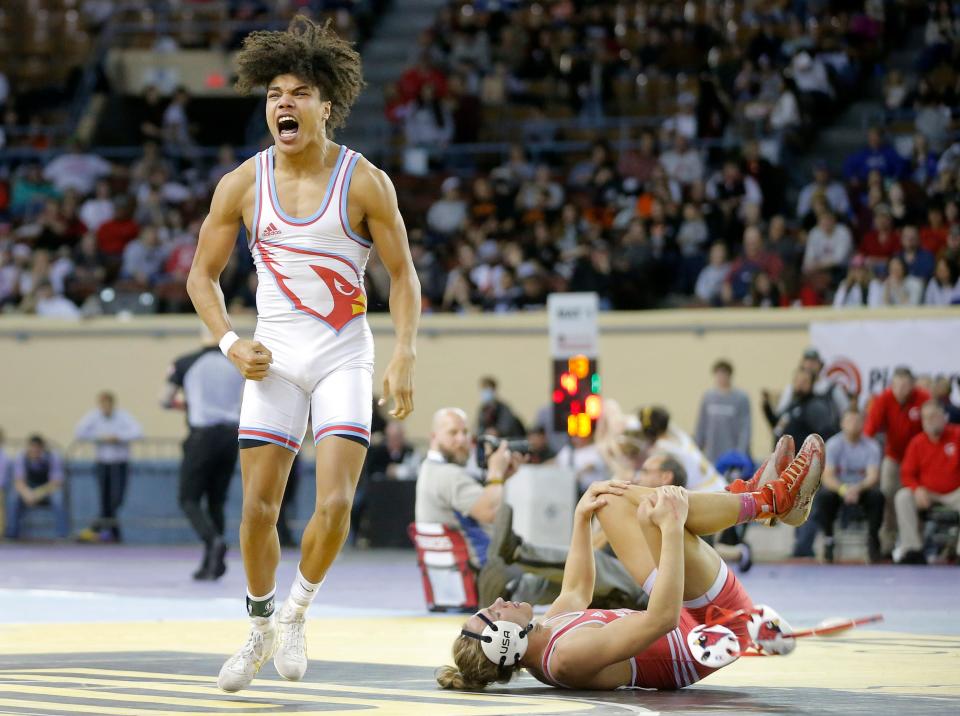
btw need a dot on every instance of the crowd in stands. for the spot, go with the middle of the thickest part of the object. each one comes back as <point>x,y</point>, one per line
<point>691,204</point>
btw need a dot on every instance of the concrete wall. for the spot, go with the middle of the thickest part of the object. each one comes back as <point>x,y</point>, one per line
<point>50,372</point>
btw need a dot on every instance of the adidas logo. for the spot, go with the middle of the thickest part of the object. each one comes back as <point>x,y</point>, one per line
<point>271,230</point>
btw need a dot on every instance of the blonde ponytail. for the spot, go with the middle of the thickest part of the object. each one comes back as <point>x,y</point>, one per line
<point>473,671</point>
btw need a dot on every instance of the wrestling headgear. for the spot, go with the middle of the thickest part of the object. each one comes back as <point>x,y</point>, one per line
<point>504,643</point>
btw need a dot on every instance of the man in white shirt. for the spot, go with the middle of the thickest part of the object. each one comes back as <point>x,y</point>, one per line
<point>77,170</point>
<point>111,430</point>
<point>829,245</point>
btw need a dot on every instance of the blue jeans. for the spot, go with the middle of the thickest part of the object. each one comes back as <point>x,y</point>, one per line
<point>56,502</point>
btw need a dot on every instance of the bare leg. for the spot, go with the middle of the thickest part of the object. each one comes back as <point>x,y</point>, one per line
<point>637,544</point>
<point>710,512</point>
<point>265,469</point>
<point>339,462</point>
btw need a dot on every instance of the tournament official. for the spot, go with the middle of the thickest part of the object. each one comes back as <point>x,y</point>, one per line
<point>208,386</point>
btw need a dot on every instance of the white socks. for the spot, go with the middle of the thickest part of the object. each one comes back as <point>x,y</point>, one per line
<point>302,593</point>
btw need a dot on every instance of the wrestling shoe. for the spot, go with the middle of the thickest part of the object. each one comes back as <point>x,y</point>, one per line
<point>790,497</point>
<point>770,632</point>
<point>290,660</point>
<point>770,469</point>
<point>239,669</point>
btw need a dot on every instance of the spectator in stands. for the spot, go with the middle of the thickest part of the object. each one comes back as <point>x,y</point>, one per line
<point>931,476</point>
<point>508,566</point>
<point>114,234</point>
<point>897,289</point>
<point>944,288</point>
<point>764,293</point>
<point>883,242</point>
<point>494,414</point>
<point>428,123</point>
<point>933,234</point>
<point>29,191</point>
<point>896,413</point>
<point>922,161</point>
<point>829,245</point>
<point>832,191</point>
<point>854,290</point>
<point>448,214</point>
<point>38,480</point>
<point>851,476</point>
<point>712,278</point>
<point>98,209</point>
<point>112,430</point>
<point>143,258</point>
<point>639,163</point>
<point>877,155</point>
<point>682,162</point>
<point>806,412</point>
<point>77,169</point>
<point>917,260</point>
<point>730,191</point>
<point>723,423</point>
<point>752,261</point>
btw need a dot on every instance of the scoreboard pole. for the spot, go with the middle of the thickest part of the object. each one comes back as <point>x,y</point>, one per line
<point>574,349</point>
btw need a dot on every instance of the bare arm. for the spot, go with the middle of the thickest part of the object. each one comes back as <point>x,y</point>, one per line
<point>872,478</point>
<point>378,198</point>
<point>218,234</point>
<point>579,572</point>
<point>501,465</point>
<point>586,652</point>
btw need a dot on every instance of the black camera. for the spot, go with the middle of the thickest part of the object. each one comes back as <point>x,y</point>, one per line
<point>520,445</point>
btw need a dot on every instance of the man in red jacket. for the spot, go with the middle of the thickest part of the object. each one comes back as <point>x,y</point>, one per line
<point>931,475</point>
<point>896,412</point>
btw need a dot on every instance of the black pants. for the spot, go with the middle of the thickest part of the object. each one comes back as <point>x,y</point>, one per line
<point>828,504</point>
<point>112,477</point>
<point>209,460</point>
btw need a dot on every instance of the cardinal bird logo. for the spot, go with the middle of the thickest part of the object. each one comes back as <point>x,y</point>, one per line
<point>768,630</point>
<point>347,297</point>
<point>348,300</point>
<point>710,638</point>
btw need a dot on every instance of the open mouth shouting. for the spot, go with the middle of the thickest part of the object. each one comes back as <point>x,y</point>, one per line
<point>287,127</point>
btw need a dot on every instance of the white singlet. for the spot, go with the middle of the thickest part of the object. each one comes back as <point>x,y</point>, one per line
<point>311,314</point>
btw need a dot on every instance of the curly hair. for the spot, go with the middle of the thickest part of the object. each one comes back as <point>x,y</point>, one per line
<point>312,52</point>
<point>473,669</point>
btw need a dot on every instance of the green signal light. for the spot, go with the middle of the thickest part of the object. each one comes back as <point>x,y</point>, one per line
<point>595,383</point>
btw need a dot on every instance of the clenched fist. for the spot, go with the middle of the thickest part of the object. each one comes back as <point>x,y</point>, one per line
<point>252,358</point>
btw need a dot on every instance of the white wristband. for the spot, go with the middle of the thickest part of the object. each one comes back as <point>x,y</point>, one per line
<point>226,343</point>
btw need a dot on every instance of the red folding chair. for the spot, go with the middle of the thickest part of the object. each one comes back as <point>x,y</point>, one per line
<point>449,583</point>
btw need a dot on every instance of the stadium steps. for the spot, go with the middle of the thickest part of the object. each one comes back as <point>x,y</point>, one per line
<point>848,132</point>
<point>386,54</point>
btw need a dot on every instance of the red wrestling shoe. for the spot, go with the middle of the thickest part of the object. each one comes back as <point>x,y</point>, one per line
<point>770,470</point>
<point>790,497</point>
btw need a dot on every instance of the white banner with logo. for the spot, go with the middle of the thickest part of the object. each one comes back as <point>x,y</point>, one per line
<point>862,355</point>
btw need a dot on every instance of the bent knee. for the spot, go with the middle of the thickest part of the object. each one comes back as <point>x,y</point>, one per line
<point>904,498</point>
<point>260,512</point>
<point>334,506</point>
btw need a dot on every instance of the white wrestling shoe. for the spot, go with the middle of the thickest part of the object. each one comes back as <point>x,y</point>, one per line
<point>239,669</point>
<point>290,659</point>
<point>770,632</point>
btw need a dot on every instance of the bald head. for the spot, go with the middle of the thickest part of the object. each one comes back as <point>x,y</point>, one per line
<point>449,435</point>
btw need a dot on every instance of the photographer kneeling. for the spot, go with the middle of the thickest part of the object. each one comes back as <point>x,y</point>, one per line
<point>507,566</point>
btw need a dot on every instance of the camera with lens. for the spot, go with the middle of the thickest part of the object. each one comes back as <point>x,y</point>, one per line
<point>521,446</point>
